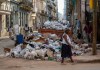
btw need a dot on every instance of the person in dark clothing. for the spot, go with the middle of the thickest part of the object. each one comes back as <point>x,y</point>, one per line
<point>66,46</point>
<point>26,29</point>
<point>88,31</point>
<point>79,36</point>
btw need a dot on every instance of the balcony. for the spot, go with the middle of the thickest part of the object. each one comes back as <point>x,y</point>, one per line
<point>49,4</point>
<point>2,1</point>
<point>26,5</point>
<point>26,2</point>
<point>4,10</point>
<point>42,12</point>
<point>54,4</point>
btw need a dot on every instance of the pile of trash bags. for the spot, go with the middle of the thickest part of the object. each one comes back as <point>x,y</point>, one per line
<point>34,50</point>
<point>55,25</point>
<point>81,49</point>
<point>37,46</point>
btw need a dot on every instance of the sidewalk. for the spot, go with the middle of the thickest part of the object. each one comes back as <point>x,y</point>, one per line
<point>87,59</point>
<point>5,37</point>
<point>5,42</point>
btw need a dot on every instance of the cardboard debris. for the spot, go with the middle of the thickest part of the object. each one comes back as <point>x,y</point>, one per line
<point>40,42</point>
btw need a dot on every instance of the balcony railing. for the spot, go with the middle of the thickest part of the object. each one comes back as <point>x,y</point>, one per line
<point>24,7</point>
<point>4,7</point>
<point>2,1</point>
<point>4,10</point>
<point>26,2</point>
<point>49,5</point>
<point>42,12</point>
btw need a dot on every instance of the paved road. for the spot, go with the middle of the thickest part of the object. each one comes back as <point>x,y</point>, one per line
<point>5,43</point>
<point>23,64</point>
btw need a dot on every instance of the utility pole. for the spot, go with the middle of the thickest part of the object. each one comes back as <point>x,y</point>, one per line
<point>94,52</point>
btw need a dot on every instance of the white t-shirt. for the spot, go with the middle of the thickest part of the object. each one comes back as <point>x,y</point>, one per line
<point>68,39</point>
<point>16,29</point>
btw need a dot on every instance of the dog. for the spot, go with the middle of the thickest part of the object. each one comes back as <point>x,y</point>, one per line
<point>7,51</point>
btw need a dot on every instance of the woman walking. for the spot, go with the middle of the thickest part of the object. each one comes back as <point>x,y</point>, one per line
<point>66,46</point>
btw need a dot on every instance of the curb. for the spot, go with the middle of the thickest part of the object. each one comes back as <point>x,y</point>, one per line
<point>3,39</point>
<point>88,61</point>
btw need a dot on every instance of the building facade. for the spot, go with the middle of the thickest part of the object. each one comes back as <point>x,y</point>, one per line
<point>43,10</point>
<point>66,9</point>
<point>80,9</point>
<point>19,13</point>
<point>98,22</point>
<point>52,9</point>
<point>3,12</point>
<point>31,12</point>
<point>39,14</point>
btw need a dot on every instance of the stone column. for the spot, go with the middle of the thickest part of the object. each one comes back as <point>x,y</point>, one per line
<point>3,31</point>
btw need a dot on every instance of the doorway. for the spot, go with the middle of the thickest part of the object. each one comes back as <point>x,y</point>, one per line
<point>0,24</point>
<point>98,27</point>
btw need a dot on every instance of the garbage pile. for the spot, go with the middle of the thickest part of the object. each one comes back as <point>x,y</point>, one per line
<point>55,25</point>
<point>36,46</point>
<point>81,49</point>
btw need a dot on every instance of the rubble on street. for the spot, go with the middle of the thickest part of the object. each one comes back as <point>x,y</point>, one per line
<point>37,46</point>
<point>55,25</point>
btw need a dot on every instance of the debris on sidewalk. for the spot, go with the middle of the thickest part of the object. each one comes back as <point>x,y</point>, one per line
<point>37,46</point>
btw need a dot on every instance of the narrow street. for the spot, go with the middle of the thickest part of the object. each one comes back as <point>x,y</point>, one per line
<point>22,64</point>
<point>46,34</point>
<point>7,63</point>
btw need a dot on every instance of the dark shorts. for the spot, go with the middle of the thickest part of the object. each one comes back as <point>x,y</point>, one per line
<point>66,51</point>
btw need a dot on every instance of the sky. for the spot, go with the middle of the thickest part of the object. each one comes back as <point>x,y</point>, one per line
<point>60,6</point>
